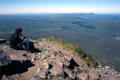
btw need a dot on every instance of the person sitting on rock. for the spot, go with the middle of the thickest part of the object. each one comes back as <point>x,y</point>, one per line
<point>17,41</point>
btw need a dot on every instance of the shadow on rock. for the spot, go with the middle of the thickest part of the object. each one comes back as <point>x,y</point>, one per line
<point>72,64</point>
<point>16,67</point>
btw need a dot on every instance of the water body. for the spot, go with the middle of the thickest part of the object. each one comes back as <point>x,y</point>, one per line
<point>97,34</point>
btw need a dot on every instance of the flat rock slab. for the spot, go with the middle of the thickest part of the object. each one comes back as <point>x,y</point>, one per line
<point>14,54</point>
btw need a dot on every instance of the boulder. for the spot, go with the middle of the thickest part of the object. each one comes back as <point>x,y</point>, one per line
<point>56,70</point>
<point>93,76</point>
<point>66,63</point>
<point>68,57</point>
<point>41,74</point>
<point>107,67</point>
<point>4,59</point>
<point>45,65</point>
<point>70,74</point>
<point>82,76</point>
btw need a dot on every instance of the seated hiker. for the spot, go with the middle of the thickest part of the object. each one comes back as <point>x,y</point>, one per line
<point>17,41</point>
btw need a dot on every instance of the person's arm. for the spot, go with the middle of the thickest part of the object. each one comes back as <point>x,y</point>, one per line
<point>21,37</point>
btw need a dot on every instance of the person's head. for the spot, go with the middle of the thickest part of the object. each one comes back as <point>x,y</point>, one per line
<point>18,30</point>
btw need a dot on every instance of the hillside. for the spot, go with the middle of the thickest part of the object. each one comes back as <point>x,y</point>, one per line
<point>56,61</point>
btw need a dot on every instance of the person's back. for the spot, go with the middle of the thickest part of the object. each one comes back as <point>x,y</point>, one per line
<point>15,39</point>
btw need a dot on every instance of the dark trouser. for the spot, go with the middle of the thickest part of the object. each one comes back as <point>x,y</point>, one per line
<point>28,44</point>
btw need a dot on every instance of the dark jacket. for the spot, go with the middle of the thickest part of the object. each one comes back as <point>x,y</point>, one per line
<point>15,40</point>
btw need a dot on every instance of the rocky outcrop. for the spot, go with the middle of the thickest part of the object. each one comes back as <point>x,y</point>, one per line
<point>52,63</point>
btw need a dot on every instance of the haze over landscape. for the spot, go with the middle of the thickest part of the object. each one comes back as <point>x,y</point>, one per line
<point>92,24</point>
<point>59,6</point>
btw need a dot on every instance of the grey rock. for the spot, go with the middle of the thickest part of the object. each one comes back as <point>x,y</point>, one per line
<point>66,63</point>
<point>1,50</point>
<point>107,67</point>
<point>93,76</point>
<point>68,58</point>
<point>45,65</point>
<point>82,76</point>
<point>4,59</point>
<point>58,77</point>
<point>56,70</point>
<point>41,75</point>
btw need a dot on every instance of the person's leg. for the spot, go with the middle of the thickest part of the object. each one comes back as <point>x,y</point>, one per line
<point>31,48</point>
<point>22,43</point>
<point>28,47</point>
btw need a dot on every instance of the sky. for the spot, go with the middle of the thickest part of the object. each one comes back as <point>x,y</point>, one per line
<point>59,6</point>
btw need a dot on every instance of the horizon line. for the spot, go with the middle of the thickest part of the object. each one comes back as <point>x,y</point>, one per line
<point>58,13</point>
